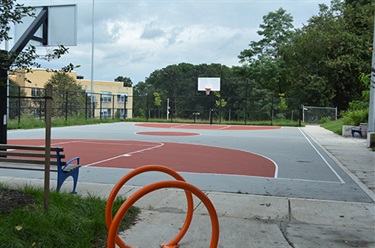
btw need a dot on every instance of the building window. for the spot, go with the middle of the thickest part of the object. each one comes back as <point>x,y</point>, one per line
<point>106,96</point>
<point>122,113</point>
<point>91,97</point>
<point>105,112</point>
<point>35,92</point>
<point>122,97</point>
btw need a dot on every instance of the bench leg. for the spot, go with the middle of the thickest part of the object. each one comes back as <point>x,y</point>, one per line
<point>61,177</point>
<point>357,131</point>
<point>75,180</point>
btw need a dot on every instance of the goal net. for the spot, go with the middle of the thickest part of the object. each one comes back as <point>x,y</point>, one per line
<point>313,115</point>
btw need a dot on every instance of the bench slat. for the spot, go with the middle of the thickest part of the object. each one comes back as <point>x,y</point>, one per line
<point>28,154</point>
<point>36,148</point>
<point>36,167</point>
<point>18,157</point>
<point>71,167</point>
<point>20,166</point>
<point>27,161</point>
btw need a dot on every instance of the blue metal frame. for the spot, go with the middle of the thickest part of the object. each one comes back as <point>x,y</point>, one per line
<point>62,175</point>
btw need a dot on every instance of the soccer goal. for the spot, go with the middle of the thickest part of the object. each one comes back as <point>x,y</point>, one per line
<point>312,114</point>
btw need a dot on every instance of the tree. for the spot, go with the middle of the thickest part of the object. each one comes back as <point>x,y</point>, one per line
<point>326,56</point>
<point>12,12</point>
<point>264,57</point>
<point>127,81</point>
<point>18,57</point>
<point>157,102</point>
<point>141,91</point>
<point>68,95</point>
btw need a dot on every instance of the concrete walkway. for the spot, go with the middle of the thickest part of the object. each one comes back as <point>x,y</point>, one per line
<point>258,221</point>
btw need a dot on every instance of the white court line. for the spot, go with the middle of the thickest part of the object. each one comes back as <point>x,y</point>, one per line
<point>321,156</point>
<point>125,155</point>
<point>65,142</point>
<point>225,127</point>
<point>179,126</point>
<point>109,143</point>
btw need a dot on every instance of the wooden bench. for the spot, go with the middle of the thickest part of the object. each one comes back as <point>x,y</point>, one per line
<point>22,157</point>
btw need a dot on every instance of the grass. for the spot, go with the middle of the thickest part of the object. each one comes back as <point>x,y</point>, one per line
<point>334,126</point>
<point>72,221</point>
<point>29,122</point>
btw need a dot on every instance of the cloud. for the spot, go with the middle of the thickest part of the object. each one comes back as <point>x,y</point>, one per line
<point>134,38</point>
<point>151,32</point>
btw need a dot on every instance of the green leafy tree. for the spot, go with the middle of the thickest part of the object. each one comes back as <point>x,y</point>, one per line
<point>359,109</point>
<point>68,95</point>
<point>127,81</point>
<point>11,13</point>
<point>264,57</point>
<point>282,104</point>
<point>326,56</point>
<point>157,102</point>
<point>141,91</point>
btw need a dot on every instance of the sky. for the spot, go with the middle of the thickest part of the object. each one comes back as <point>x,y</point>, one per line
<point>134,38</point>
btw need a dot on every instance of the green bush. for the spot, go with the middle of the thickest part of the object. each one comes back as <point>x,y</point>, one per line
<point>324,119</point>
<point>355,117</point>
<point>334,126</point>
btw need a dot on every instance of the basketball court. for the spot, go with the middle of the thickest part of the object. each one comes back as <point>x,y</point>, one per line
<point>242,159</point>
<point>259,160</point>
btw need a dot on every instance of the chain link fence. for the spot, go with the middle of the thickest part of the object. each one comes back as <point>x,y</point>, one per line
<point>233,109</point>
<point>223,110</point>
<point>66,104</point>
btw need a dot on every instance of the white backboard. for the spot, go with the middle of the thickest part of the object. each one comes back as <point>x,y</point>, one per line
<point>62,25</point>
<point>209,82</point>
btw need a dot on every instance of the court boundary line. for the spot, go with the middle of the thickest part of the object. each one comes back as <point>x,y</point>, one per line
<point>126,154</point>
<point>233,175</point>
<point>235,149</point>
<point>195,133</point>
<point>187,126</point>
<point>321,156</point>
<point>162,144</point>
<point>350,174</point>
<point>225,127</point>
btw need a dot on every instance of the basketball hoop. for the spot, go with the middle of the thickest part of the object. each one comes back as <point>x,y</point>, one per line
<point>208,90</point>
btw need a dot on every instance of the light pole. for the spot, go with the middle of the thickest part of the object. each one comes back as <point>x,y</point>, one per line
<point>92,59</point>
<point>371,111</point>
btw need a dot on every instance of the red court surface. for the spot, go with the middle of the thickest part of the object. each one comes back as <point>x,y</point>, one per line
<point>206,126</point>
<point>180,157</point>
<point>168,133</point>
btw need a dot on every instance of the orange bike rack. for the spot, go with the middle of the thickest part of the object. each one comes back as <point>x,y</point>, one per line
<point>113,225</point>
<point>131,174</point>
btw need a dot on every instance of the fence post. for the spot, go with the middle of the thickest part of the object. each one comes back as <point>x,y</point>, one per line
<point>100,110</point>
<point>272,110</point>
<point>125,112</point>
<point>148,111</point>
<point>86,105</point>
<point>47,156</point>
<point>19,105</point>
<point>66,105</point>
<point>113,107</point>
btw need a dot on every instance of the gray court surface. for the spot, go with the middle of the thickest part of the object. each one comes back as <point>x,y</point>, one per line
<point>304,169</point>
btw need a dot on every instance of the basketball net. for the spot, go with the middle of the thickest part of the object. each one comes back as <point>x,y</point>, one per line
<point>208,90</point>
